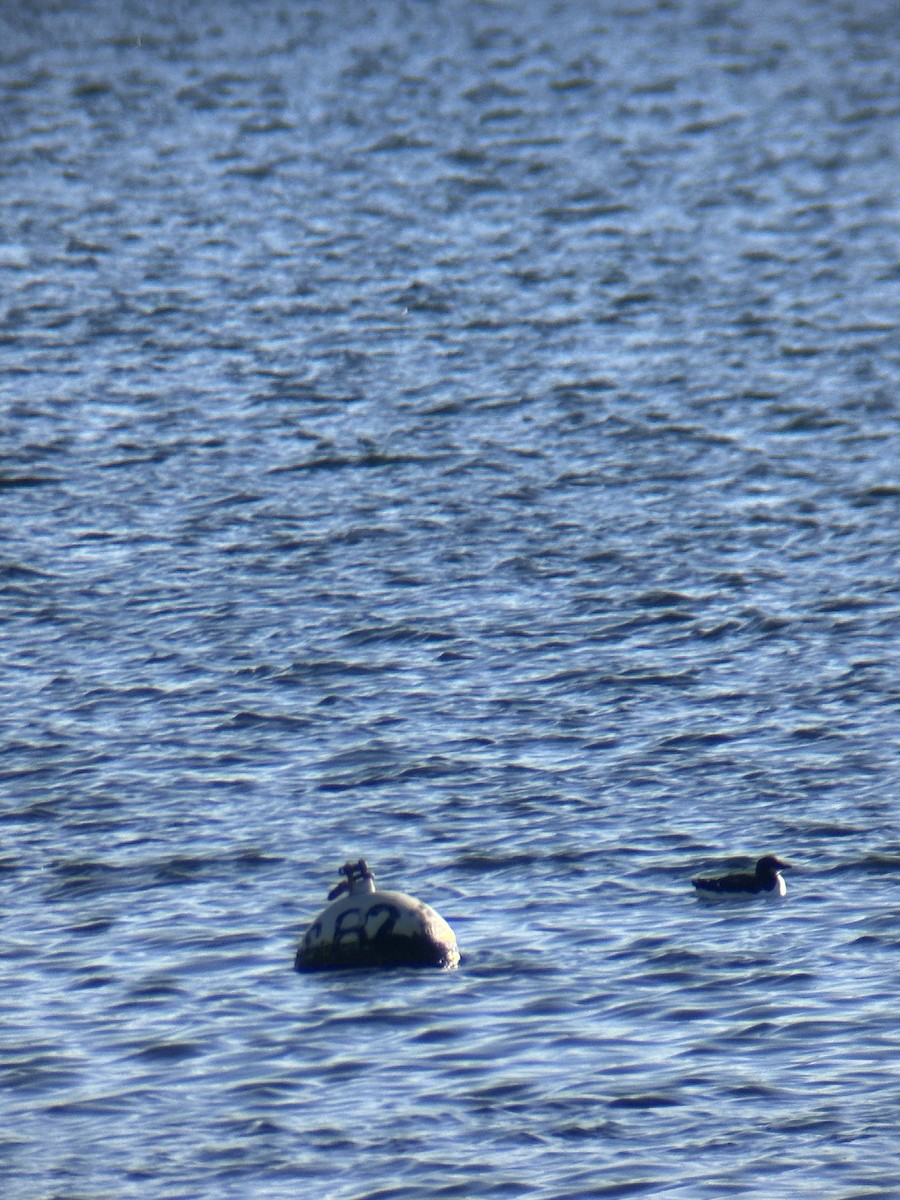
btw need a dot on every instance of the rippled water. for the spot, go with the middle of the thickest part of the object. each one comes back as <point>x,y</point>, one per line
<point>465,435</point>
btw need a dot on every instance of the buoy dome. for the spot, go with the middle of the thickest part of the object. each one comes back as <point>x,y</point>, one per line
<point>363,927</point>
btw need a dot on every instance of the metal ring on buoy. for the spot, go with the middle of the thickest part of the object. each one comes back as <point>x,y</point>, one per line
<point>362,927</point>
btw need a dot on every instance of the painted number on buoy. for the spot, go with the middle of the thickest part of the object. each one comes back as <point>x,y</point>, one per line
<point>386,928</point>
<point>351,923</point>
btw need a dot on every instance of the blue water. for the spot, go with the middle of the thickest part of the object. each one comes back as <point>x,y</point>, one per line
<point>463,435</point>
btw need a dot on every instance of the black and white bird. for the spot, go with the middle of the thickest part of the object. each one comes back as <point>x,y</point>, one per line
<point>766,879</point>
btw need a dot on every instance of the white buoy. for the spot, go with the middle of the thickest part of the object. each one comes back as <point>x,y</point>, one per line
<point>365,928</point>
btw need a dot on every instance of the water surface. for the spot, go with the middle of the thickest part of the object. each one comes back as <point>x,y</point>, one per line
<point>463,435</point>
